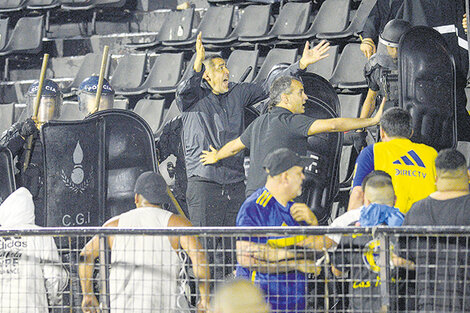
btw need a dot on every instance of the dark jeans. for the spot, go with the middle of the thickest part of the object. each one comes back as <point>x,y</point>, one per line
<point>212,204</point>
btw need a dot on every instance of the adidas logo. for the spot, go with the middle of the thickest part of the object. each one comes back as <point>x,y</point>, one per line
<point>408,159</point>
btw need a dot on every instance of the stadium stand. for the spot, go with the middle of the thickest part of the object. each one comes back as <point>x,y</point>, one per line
<point>151,110</point>
<point>129,73</point>
<point>90,66</point>
<point>241,61</point>
<point>275,56</point>
<point>42,4</point>
<point>26,37</point>
<point>349,72</point>
<point>6,116</point>
<point>12,5</point>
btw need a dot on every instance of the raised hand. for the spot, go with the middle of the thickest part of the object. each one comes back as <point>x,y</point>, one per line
<point>209,157</point>
<point>310,56</point>
<point>464,22</point>
<point>367,47</point>
<point>200,54</point>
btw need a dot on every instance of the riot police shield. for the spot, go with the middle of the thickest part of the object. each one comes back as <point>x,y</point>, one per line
<point>428,87</point>
<point>74,173</point>
<point>7,176</point>
<point>129,151</point>
<point>321,182</point>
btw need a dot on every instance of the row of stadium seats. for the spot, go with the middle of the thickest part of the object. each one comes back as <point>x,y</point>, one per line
<point>18,5</point>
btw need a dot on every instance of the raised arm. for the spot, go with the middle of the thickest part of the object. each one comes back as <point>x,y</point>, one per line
<point>230,149</point>
<point>266,259</point>
<point>189,91</point>
<point>196,253</point>
<point>345,124</point>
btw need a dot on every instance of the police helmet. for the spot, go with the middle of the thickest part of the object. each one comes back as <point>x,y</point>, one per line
<point>51,100</point>
<point>87,95</point>
<point>393,31</point>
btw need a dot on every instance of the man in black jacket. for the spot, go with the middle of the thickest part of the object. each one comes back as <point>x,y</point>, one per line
<point>212,116</point>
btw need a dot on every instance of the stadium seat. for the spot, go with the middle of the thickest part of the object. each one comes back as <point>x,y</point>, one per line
<point>464,148</point>
<point>292,20</point>
<point>122,104</point>
<point>239,62</point>
<point>109,3</point>
<point>90,66</point>
<point>325,67</point>
<point>70,112</point>
<point>26,37</point>
<point>333,16</point>
<point>6,116</point>
<point>172,112</point>
<point>12,5</point>
<point>42,4</point>
<point>151,111</point>
<point>163,77</point>
<point>275,56</point>
<point>3,32</point>
<point>216,23</point>
<point>129,72</point>
<point>176,27</point>
<point>70,5</point>
<point>349,72</point>
<point>253,22</point>
<point>357,23</point>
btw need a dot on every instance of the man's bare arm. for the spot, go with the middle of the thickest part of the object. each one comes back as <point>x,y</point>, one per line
<point>86,267</point>
<point>345,124</point>
<point>196,253</point>
<point>369,104</point>
<point>265,259</point>
<point>228,150</point>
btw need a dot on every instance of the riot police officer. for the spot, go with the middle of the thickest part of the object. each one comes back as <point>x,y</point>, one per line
<point>381,71</point>
<point>30,175</point>
<point>87,95</point>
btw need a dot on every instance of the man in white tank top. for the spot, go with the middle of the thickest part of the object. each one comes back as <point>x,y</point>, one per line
<point>144,269</point>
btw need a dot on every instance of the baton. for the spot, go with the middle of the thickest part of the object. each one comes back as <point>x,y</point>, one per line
<point>37,101</point>
<point>104,62</point>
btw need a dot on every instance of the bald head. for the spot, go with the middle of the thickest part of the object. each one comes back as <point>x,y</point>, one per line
<point>378,188</point>
<point>240,296</point>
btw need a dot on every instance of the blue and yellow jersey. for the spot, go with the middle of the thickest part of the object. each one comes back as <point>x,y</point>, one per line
<point>410,164</point>
<point>284,291</point>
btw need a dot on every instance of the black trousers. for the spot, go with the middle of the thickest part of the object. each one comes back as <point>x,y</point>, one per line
<point>213,204</point>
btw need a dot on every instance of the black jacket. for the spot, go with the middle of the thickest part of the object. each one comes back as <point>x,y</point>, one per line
<point>210,119</point>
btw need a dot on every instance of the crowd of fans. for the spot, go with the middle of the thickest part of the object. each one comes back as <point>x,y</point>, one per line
<point>396,182</point>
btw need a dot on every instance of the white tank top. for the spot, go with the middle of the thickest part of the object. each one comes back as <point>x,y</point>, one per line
<point>144,269</point>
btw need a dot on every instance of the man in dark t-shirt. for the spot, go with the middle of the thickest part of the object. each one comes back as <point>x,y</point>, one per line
<point>442,278</point>
<point>284,126</point>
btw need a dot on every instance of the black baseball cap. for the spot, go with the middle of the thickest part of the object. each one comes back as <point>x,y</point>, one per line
<point>283,159</point>
<point>152,187</point>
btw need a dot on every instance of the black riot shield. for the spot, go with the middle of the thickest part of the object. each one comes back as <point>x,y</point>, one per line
<point>322,177</point>
<point>74,173</point>
<point>7,176</point>
<point>427,82</point>
<point>129,151</point>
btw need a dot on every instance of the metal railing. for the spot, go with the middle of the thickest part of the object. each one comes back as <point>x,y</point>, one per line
<point>381,269</point>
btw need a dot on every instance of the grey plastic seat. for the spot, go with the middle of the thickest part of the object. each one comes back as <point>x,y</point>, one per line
<point>275,56</point>
<point>333,16</point>
<point>3,32</point>
<point>26,37</point>
<point>349,71</point>
<point>12,5</point>
<point>151,110</point>
<point>216,23</point>
<point>239,62</point>
<point>176,27</point>
<point>129,72</point>
<point>172,112</point>
<point>109,3</point>
<point>90,66</point>
<point>77,4</point>
<point>42,4</point>
<point>357,23</point>
<point>6,116</point>
<point>70,112</point>
<point>292,20</point>
<point>325,67</point>
<point>163,78</point>
<point>253,22</point>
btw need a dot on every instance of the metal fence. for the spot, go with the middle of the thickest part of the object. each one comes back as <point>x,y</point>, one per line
<point>300,269</point>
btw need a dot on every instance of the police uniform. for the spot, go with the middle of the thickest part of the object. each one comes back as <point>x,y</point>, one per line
<point>381,74</point>
<point>284,291</point>
<point>411,166</point>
